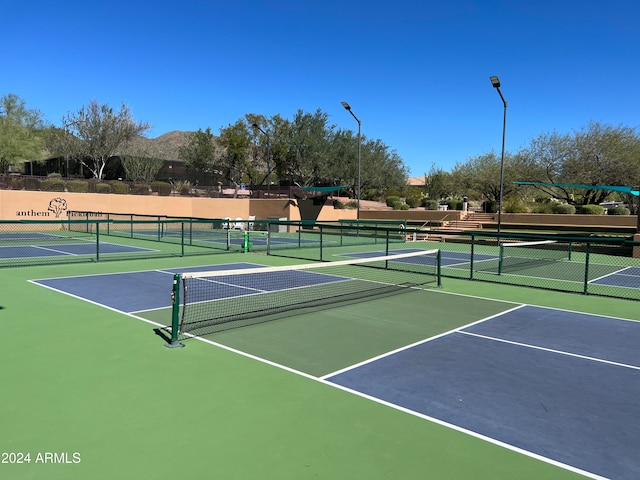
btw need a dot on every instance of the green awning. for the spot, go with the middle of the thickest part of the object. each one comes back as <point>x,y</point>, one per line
<point>324,189</point>
<point>614,188</point>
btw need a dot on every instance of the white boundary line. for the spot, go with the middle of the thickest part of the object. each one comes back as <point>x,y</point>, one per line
<point>366,396</point>
<point>550,350</point>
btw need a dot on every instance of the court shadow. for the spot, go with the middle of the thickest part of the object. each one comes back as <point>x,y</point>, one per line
<point>162,333</point>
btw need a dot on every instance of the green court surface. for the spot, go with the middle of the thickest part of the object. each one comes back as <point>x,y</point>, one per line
<point>97,387</point>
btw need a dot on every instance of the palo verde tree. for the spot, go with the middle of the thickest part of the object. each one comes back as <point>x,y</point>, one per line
<point>96,133</point>
<point>21,132</point>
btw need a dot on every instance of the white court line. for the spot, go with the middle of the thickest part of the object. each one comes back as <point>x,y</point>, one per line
<point>415,344</point>
<point>551,350</point>
<point>368,397</point>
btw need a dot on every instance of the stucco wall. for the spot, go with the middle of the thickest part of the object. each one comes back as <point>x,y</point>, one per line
<point>28,205</point>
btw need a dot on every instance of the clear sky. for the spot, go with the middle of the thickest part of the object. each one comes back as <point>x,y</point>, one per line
<point>415,72</point>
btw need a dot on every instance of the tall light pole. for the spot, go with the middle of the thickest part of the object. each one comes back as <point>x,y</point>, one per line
<point>348,108</point>
<point>496,84</point>
<point>255,125</point>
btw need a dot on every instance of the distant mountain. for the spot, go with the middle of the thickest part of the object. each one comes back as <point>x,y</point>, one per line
<point>165,146</point>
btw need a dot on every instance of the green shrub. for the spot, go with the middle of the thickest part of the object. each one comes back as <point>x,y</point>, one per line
<point>17,183</point>
<point>32,183</point>
<point>413,201</point>
<point>102,187</point>
<point>618,211</point>
<point>454,204</point>
<point>351,205</point>
<point>78,186</point>
<point>429,204</point>
<point>120,188</point>
<point>52,185</point>
<point>163,189</point>
<point>391,200</point>
<point>564,209</point>
<point>489,206</point>
<point>515,205</point>
<point>404,206</point>
<point>545,207</point>
<point>140,189</point>
<point>590,210</point>
<point>184,187</point>
<point>397,205</point>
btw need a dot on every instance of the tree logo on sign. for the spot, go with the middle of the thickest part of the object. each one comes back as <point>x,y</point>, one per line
<point>57,205</point>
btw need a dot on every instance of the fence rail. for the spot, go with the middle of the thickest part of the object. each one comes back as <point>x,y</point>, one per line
<point>589,265</point>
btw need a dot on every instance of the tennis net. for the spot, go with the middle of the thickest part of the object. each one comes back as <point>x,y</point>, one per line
<point>208,302</point>
<point>517,255</point>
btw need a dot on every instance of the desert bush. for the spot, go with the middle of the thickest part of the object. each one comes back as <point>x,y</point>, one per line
<point>141,189</point>
<point>564,209</point>
<point>391,200</point>
<point>590,210</point>
<point>618,211</point>
<point>78,186</point>
<point>120,188</point>
<point>52,185</point>
<point>102,187</point>
<point>429,204</point>
<point>32,183</point>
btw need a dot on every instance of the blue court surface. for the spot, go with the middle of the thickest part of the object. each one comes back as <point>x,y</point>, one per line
<point>64,249</point>
<point>555,384</point>
<point>628,277</point>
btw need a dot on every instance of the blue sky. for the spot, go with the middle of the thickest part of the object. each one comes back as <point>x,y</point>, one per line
<point>416,73</point>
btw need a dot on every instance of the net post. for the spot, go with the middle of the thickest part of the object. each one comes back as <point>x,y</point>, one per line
<point>586,269</point>
<point>500,257</point>
<point>182,243</point>
<point>175,314</point>
<point>439,268</point>
<point>245,242</point>
<point>97,241</point>
<point>473,243</point>
<point>268,241</point>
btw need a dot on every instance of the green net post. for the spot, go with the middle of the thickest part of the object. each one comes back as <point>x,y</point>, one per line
<point>245,242</point>
<point>473,252</point>
<point>182,236</point>
<point>586,269</point>
<point>439,268</point>
<point>174,342</point>
<point>97,241</point>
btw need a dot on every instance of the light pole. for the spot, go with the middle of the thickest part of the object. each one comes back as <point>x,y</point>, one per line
<point>255,125</point>
<point>348,108</point>
<point>496,83</point>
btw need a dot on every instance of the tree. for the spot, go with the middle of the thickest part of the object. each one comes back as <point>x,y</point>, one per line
<point>95,133</point>
<point>236,143</point>
<point>594,155</point>
<point>482,174</point>
<point>141,161</point>
<point>201,152</point>
<point>21,132</point>
<point>436,183</point>
<point>309,148</point>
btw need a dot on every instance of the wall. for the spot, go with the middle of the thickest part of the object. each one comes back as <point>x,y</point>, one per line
<point>591,220</point>
<point>418,215</point>
<point>28,205</point>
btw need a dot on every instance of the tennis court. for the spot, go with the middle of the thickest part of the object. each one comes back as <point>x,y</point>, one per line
<point>489,385</point>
